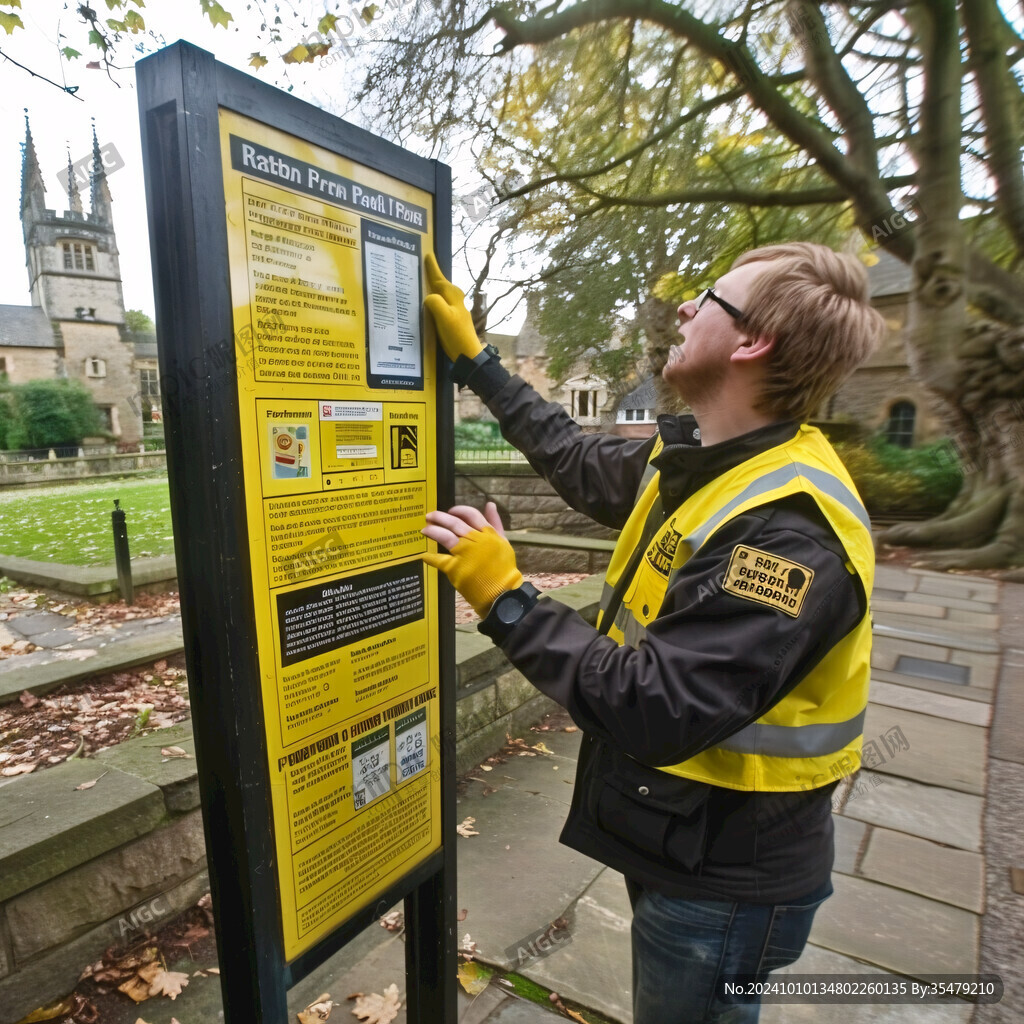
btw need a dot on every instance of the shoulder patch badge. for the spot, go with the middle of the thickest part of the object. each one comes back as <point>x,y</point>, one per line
<point>768,579</point>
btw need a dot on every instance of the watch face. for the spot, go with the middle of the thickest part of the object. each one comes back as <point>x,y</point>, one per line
<point>509,609</point>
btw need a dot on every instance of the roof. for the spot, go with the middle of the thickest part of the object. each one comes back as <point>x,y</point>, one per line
<point>889,276</point>
<point>641,397</point>
<point>25,327</point>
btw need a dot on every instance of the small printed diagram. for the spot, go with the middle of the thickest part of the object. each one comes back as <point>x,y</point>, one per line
<point>289,450</point>
<point>405,447</point>
<point>371,767</point>
<point>411,744</point>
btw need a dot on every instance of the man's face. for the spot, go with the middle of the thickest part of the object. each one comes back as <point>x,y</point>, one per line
<point>698,367</point>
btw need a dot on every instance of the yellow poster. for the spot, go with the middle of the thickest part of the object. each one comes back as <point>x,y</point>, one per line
<point>336,385</point>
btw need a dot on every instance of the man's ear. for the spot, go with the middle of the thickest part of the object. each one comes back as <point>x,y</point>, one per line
<point>753,346</point>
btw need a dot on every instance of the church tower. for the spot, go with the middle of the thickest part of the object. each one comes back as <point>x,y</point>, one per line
<point>75,280</point>
<point>73,269</point>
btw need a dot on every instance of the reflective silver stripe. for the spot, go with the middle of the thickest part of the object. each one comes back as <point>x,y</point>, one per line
<point>794,740</point>
<point>826,482</point>
<point>606,595</point>
<point>633,633</point>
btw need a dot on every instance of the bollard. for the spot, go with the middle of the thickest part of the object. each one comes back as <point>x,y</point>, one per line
<point>122,558</point>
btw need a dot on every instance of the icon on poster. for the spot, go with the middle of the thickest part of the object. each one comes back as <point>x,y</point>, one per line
<point>404,447</point>
<point>289,450</point>
<point>371,767</point>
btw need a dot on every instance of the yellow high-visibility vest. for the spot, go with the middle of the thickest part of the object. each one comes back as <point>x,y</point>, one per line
<point>813,735</point>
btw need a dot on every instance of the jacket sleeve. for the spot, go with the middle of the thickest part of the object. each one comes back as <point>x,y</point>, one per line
<point>711,662</point>
<point>596,474</point>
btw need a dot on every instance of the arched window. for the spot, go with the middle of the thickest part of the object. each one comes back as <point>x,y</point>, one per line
<point>900,428</point>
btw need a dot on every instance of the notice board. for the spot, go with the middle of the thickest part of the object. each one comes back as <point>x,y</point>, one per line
<point>309,432</point>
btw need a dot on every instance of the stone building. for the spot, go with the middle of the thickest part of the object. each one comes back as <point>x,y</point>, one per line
<point>882,396</point>
<point>75,325</point>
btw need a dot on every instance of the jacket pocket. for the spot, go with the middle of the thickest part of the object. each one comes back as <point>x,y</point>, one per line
<point>661,815</point>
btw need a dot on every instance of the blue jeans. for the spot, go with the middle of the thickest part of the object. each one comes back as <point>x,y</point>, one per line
<point>681,949</point>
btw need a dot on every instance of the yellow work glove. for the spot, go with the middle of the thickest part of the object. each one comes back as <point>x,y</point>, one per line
<point>447,305</point>
<point>481,566</point>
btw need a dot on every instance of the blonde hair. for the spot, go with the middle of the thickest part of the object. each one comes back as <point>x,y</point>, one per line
<point>814,303</point>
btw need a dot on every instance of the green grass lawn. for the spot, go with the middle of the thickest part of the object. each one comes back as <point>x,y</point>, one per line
<point>71,524</point>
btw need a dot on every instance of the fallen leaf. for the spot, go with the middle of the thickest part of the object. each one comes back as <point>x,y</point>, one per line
<point>168,983</point>
<point>542,748</point>
<point>318,1010</point>
<point>571,728</point>
<point>90,784</point>
<point>487,767</point>
<point>28,700</point>
<point>572,1014</point>
<point>474,977</point>
<point>467,947</point>
<point>378,1009</point>
<point>393,921</point>
<point>174,752</point>
<point>139,1020</point>
<point>466,828</point>
<point>136,988</point>
<point>18,769</point>
<point>462,914</point>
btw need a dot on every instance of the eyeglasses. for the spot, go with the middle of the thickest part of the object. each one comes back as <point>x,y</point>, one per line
<point>708,293</point>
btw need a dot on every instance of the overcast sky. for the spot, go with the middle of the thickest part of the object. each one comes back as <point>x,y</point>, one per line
<point>61,122</point>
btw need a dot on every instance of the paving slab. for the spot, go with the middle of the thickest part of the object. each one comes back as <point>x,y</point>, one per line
<point>849,838</point>
<point>978,693</point>
<point>827,964</point>
<point>897,930</point>
<point>953,635</point>
<point>32,623</point>
<point>516,852</point>
<point>55,668</point>
<point>938,751</point>
<point>928,702</point>
<point>977,587</point>
<point>47,826</point>
<point>55,638</point>
<point>595,967</point>
<point>919,865</point>
<point>931,812</point>
<point>176,776</point>
<point>882,608</point>
<point>886,649</point>
<point>891,578</point>
<point>1006,738</point>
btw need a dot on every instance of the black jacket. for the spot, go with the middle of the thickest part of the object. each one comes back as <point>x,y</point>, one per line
<point>711,663</point>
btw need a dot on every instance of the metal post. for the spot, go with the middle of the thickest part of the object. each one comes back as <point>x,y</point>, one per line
<point>122,558</point>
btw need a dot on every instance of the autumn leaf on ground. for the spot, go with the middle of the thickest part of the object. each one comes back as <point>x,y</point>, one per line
<point>318,1010</point>
<point>394,921</point>
<point>466,828</point>
<point>168,983</point>
<point>474,977</point>
<point>28,700</point>
<point>467,947</point>
<point>542,748</point>
<point>174,752</point>
<point>91,783</point>
<point>378,1009</point>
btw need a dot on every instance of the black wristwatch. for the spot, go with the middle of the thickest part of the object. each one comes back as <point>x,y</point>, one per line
<point>464,366</point>
<point>507,611</point>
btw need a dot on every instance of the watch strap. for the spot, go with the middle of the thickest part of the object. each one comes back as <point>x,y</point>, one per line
<point>526,596</point>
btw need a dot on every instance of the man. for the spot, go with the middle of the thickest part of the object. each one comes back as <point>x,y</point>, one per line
<point>722,695</point>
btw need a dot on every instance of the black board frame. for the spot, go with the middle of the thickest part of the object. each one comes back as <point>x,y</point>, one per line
<point>181,89</point>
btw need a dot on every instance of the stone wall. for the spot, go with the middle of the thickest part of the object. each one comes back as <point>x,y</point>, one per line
<point>44,471</point>
<point>82,870</point>
<point>531,503</point>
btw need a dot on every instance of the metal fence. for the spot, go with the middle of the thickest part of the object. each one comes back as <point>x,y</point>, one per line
<point>489,455</point>
<point>64,452</point>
